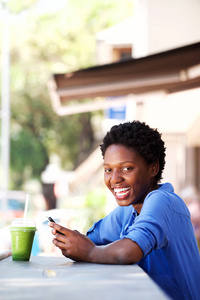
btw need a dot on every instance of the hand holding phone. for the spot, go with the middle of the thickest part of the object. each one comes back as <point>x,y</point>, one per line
<point>52,220</point>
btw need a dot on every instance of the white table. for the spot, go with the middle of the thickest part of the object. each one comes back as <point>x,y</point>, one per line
<point>59,278</point>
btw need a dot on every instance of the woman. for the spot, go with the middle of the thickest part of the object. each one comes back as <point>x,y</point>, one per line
<point>151,225</point>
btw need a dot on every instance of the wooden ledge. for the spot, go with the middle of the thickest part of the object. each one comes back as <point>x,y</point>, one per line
<point>5,254</point>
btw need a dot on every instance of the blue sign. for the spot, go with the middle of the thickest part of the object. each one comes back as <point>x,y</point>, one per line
<point>118,112</point>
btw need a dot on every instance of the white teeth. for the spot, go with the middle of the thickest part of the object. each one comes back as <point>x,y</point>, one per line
<point>121,190</point>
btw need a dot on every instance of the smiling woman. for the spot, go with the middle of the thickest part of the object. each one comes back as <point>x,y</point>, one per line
<point>151,225</point>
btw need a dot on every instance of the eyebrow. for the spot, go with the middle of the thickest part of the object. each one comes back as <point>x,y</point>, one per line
<point>127,161</point>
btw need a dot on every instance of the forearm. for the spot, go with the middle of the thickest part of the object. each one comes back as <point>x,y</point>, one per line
<point>80,248</point>
<point>120,252</point>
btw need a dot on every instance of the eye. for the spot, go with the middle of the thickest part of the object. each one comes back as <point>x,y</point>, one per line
<point>127,169</point>
<point>107,170</point>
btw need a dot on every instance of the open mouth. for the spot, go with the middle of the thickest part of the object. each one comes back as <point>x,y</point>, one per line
<point>122,192</point>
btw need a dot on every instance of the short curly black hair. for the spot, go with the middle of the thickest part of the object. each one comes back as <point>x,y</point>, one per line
<point>139,137</point>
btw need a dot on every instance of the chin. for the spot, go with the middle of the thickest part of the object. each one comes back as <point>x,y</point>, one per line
<point>123,203</point>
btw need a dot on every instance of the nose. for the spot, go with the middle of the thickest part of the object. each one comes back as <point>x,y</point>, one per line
<point>116,177</point>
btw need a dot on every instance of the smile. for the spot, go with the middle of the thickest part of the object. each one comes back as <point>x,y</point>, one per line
<point>121,192</point>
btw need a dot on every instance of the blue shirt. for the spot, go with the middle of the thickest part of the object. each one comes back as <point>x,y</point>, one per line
<point>164,232</point>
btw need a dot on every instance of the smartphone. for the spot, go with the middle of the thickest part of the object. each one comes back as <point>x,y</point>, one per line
<point>52,220</point>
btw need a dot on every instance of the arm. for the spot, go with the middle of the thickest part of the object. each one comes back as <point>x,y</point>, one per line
<point>80,248</point>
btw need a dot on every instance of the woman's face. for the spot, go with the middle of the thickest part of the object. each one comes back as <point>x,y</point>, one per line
<point>128,176</point>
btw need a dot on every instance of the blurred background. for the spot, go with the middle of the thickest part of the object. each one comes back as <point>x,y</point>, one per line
<point>60,93</point>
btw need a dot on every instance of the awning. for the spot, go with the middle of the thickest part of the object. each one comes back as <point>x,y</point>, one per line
<point>171,71</point>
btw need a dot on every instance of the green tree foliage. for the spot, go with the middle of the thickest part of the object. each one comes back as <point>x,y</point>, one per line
<point>42,43</point>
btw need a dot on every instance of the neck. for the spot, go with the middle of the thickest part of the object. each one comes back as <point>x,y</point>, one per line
<point>138,206</point>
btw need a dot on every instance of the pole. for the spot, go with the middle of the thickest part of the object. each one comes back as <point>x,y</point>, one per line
<point>5,111</point>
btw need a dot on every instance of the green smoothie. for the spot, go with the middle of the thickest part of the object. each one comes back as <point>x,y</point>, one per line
<point>22,236</point>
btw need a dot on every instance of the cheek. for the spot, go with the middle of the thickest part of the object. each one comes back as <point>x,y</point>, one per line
<point>106,180</point>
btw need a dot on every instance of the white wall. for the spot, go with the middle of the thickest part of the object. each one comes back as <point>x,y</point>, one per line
<point>161,25</point>
<point>172,24</point>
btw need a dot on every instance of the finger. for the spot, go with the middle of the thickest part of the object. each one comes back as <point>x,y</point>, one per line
<point>59,244</point>
<point>60,228</point>
<point>56,227</point>
<point>61,237</point>
<point>64,252</point>
<point>54,231</point>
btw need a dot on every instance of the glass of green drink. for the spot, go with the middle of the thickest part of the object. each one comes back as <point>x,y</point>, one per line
<point>22,235</point>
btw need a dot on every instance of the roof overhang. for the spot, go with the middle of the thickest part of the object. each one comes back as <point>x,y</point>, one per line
<point>171,71</point>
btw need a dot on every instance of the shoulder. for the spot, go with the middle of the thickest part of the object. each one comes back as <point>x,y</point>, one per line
<point>163,189</point>
<point>164,199</point>
<point>164,193</point>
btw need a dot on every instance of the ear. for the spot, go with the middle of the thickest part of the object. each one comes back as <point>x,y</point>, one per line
<point>154,169</point>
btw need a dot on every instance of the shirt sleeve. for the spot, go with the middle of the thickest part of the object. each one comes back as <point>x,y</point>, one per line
<point>106,230</point>
<point>151,227</point>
